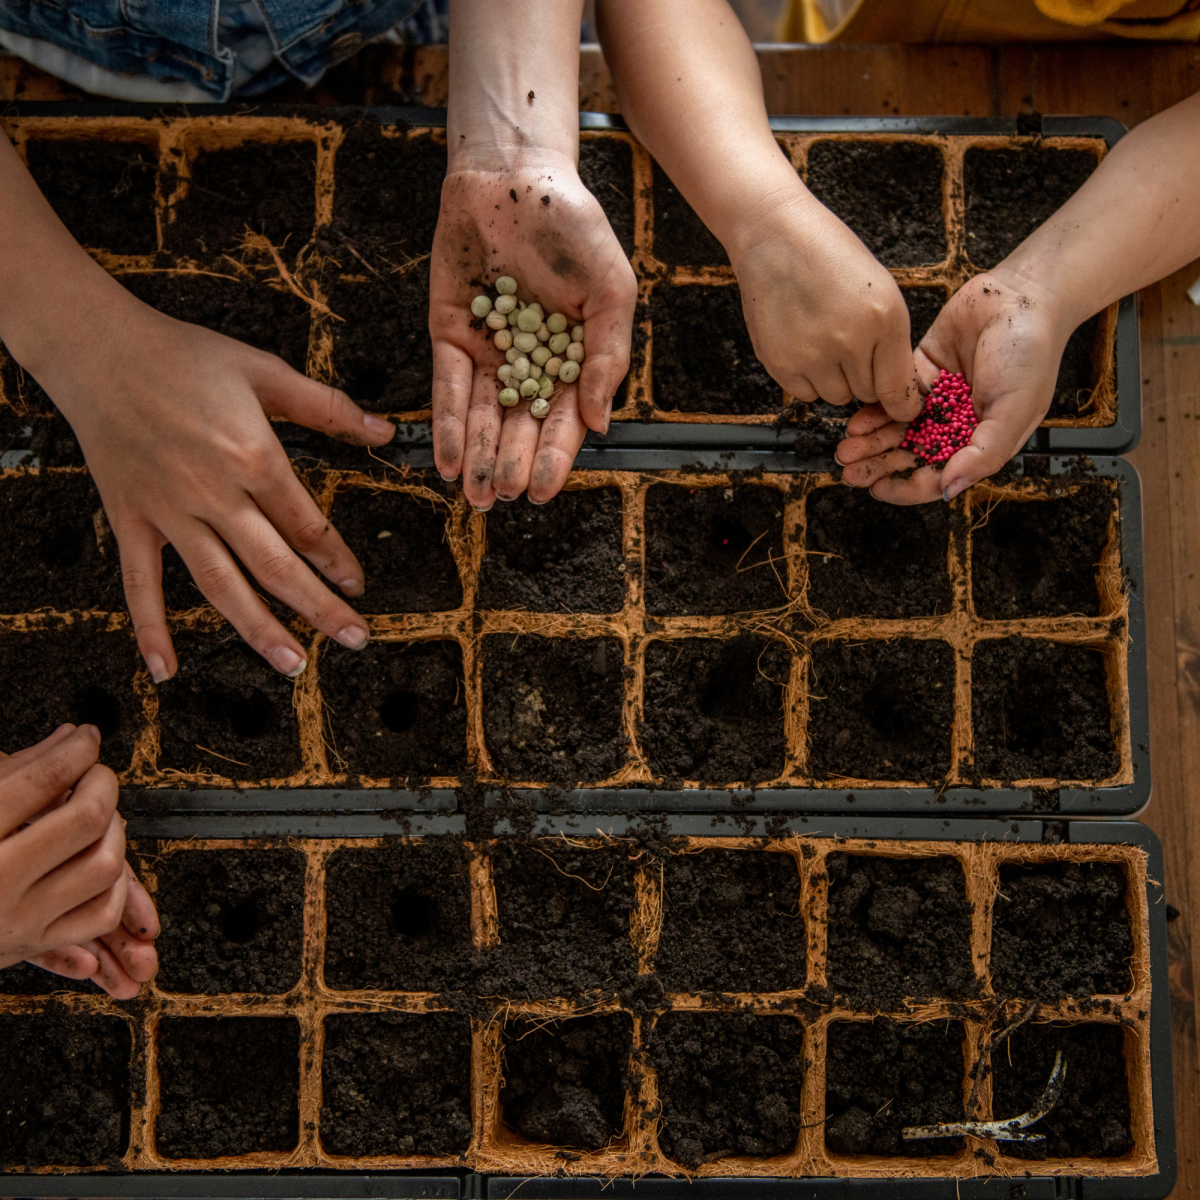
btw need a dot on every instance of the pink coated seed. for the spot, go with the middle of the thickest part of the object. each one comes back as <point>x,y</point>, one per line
<point>945,423</point>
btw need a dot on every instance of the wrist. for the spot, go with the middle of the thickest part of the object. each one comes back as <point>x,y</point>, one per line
<point>779,208</point>
<point>1035,281</point>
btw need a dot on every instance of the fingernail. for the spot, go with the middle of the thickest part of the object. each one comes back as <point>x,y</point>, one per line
<point>608,414</point>
<point>377,424</point>
<point>352,587</point>
<point>837,460</point>
<point>353,637</point>
<point>481,510</point>
<point>157,668</point>
<point>533,501</point>
<point>287,661</point>
<point>952,489</point>
<point>449,478</point>
<point>93,731</point>
<point>506,499</point>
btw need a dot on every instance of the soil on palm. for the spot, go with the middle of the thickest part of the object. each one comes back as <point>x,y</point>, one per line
<point>681,239</point>
<point>606,170</point>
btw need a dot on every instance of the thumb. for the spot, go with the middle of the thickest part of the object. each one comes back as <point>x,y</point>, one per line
<point>283,392</point>
<point>608,330</point>
<point>994,441</point>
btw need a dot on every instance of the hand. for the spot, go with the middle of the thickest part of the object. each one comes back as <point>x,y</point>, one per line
<point>564,255</point>
<point>1007,340</point>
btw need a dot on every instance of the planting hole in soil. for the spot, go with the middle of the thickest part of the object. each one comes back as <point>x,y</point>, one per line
<point>606,170</point>
<point>681,239</point>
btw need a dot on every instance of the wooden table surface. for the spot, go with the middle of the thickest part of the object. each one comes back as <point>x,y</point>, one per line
<point>1124,80</point>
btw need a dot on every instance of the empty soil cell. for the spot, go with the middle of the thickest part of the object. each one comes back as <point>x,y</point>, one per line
<point>606,170</point>
<point>564,920</point>
<point>395,709</point>
<point>731,923</point>
<point>881,1076</point>
<point>56,545</point>
<point>1061,929</point>
<point>1040,558</point>
<point>227,712</point>
<point>228,1085</point>
<point>1010,192</point>
<point>866,559</point>
<point>401,541</point>
<point>881,710</point>
<point>264,187</point>
<point>714,709</point>
<point>1041,710</point>
<point>560,557</point>
<point>729,1084</point>
<point>64,1090</point>
<point>681,239</point>
<point>703,360</point>
<point>103,192</point>
<point>899,929</point>
<point>396,1084</point>
<point>232,921</point>
<point>923,304</point>
<point>25,979</point>
<point>1076,379</point>
<point>1092,1118</point>
<point>714,550</point>
<point>564,1083</point>
<point>850,177</point>
<point>552,707</point>
<point>78,674</point>
<point>398,917</point>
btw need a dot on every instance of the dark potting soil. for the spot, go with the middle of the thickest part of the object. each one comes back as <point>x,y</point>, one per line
<point>681,239</point>
<point>564,920</point>
<point>881,710</point>
<point>559,557</point>
<point>227,711</point>
<point>564,1083</point>
<point>399,917</point>
<point>714,550</point>
<point>33,424</point>
<point>552,707</point>
<point>1092,1118</point>
<point>882,1076</point>
<point>25,979</point>
<point>871,559</point>
<point>228,1085</point>
<point>606,170</point>
<point>1039,558</point>
<point>703,359</point>
<point>78,674</point>
<point>396,1084</point>
<point>924,304</point>
<point>232,921</point>
<point>64,1090</point>
<point>103,192</point>
<point>898,929</point>
<point>266,187</point>
<point>731,923</point>
<point>1040,710</point>
<point>1076,373</point>
<point>714,709</point>
<point>56,544</point>
<point>729,1084</point>
<point>850,178</point>
<point>1061,929</point>
<point>396,709</point>
<point>1010,192</point>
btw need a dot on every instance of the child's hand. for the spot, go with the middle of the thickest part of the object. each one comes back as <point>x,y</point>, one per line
<point>563,254</point>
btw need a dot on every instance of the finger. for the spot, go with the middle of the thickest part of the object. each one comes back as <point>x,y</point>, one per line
<point>71,962</point>
<point>140,918</point>
<point>608,333</point>
<point>90,920</point>
<point>284,392</point>
<point>39,780</point>
<point>519,434</point>
<point>865,473</point>
<point>927,369</point>
<point>453,381</point>
<point>10,762</point>
<point>141,573</point>
<point>868,419</point>
<point>832,386</point>
<point>111,974</point>
<point>997,437</point>
<point>855,449</point>
<point>922,486</point>
<point>800,389</point>
<point>894,373</point>
<point>87,874</point>
<point>562,434</point>
<point>483,429</point>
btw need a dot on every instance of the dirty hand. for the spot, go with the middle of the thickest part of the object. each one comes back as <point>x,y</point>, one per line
<point>1007,340</point>
<point>70,902</point>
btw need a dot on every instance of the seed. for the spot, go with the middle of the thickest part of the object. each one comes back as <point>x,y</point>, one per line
<point>539,408</point>
<point>541,356</point>
<point>575,352</point>
<point>520,369</point>
<point>543,332</point>
<point>553,366</point>
<point>495,320</point>
<point>557,322</point>
<point>537,308</point>
<point>505,304</point>
<point>504,373</point>
<point>577,334</point>
<point>525,342</point>
<point>509,397</point>
<point>503,339</point>
<point>529,320</point>
<point>506,285</point>
<point>512,319</point>
<point>512,354</point>
<point>559,342</point>
<point>547,388</point>
<point>569,371</point>
<point>529,388</point>
<point>535,372</point>
<point>481,306</point>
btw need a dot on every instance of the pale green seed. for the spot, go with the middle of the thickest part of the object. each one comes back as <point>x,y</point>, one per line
<point>542,332</point>
<point>520,369</point>
<point>568,372</point>
<point>525,342</point>
<point>506,285</point>
<point>503,339</point>
<point>540,408</point>
<point>512,354</point>
<point>495,320</point>
<point>541,356</point>
<point>575,352</point>
<point>529,320</point>
<point>535,372</point>
<point>553,366</point>
<point>504,372</point>
<point>577,334</point>
<point>547,388</point>
<point>505,304</point>
<point>481,306</point>
<point>509,397</point>
<point>512,318</point>
<point>557,322</point>
<point>529,388</point>
<point>537,308</point>
<point>559,343</point>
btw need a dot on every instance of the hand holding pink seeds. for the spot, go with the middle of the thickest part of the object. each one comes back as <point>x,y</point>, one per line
<point>944,426</point>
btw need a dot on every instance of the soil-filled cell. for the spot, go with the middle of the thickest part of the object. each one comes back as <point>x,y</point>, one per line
<point>731,923</point>
<point>1061,929</point>
<point>1076,380</point>
<point>232,921</point>
<point>227,712</point>
<point>64,1090</point>
<point>564,1083</point>
<point>564,920</point>
<point>898,929</point>
<point>228,1085</point>
<point>77,674</point>
<point>399,917</point>
<point>395,709</point>
<point>882,1076</point>
<point>852,178</point>
<point>1041,710</point>
<point>881,710</point>
<point>681,239</point>
<point>552,707</point>
<point>57,547</point>
<point>24,979</point>
<point>564,556</point>
<point>703,359</point>
<point>606,170</point>
<point>714,709</point>
<point>714,550</point>
<point>1010,192</point>
<point>266,188</point>
<point>729,1085</point>
<point>924,304</point>
<point>401,541</point>
<point>1092,1118</point>
<point>1039,558</point>
<point>103,192</point>
<point>870,559</point>
<point>397,1084</point>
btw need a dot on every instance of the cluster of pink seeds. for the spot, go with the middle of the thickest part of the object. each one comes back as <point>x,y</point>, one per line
<point>945,424</point>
